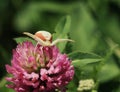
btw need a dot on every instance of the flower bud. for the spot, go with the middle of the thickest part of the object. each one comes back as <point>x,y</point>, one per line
<point>85,85</point>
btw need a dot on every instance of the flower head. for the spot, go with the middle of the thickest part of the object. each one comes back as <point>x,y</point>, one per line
<point>39,69</point>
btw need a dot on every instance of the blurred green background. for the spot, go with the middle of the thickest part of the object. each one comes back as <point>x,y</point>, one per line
<point>95,27</point>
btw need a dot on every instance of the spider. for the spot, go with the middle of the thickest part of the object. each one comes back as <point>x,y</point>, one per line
<point>44,38</point>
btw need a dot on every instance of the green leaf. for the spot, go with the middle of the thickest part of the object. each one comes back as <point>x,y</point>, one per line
<point>83,62</point>
<point>81,58</point>
<point>22,39</point>
<point>62,29</point>
<point>3,87</point>
<point>63,26</point>
<point>108,71</point>
<point>2,82</point>
<point>83,55</point>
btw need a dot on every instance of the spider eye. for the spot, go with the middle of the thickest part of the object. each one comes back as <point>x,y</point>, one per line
<point>44,35</point>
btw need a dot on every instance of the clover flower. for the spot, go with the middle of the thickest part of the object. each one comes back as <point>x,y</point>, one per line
<point>37,68</point>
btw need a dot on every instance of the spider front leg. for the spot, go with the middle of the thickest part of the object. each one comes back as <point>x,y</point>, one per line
<point>41,42</point>
<point>60,40</point>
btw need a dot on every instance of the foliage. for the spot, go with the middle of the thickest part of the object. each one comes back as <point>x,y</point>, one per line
<point>93,24</point>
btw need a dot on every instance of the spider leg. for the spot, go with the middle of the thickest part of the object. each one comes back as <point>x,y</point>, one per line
<point>60,40</point>
<point>36,38</point>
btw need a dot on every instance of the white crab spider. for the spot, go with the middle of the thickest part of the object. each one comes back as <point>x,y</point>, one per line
<point>45,38</point>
